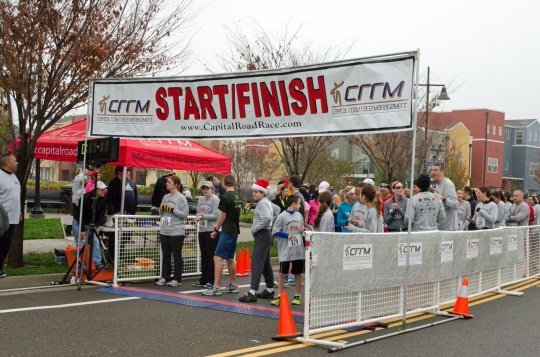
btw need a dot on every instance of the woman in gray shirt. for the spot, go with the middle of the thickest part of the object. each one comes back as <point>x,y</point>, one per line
<point>173,210</point>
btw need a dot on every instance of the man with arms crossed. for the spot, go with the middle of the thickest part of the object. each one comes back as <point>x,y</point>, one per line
<point>518,214</point>
<point>229,221</point>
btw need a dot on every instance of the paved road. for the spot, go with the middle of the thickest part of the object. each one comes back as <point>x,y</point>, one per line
<point>139,327</point>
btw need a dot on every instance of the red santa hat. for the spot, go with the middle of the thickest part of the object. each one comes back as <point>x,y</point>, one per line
<point>261,185</point>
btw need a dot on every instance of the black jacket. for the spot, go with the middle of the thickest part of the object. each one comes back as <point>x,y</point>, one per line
<point>101,210</point>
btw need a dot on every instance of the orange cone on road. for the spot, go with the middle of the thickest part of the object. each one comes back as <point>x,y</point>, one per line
<point>462,302</point>
<point>240,264</point>
<point>286,327</point>
<point>247,260</point>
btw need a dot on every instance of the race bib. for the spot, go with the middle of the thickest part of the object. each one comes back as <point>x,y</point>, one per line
<point>295,241</point>
<point>460,225</point>
<point>480,222</point>
<point>165,221</point>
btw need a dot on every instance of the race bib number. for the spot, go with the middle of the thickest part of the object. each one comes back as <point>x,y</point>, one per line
<point>165,221</point>
<point>460,225</point>
<point>295,241</point>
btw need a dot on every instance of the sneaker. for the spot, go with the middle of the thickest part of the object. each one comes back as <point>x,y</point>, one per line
<point>296,300</point>
<point>3,274</point>
<point>161,282</point>
<point>275,302</point>
<point>290,282</point>
<point>212,291</point>
<point>173,283</point>
<point>248,297</point>
<point>73,280</point>
<point>198,283</point>
<point>231,288</point>
<point>265,294</point>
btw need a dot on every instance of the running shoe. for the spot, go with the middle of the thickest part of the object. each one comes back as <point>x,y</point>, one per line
<point>296,300</point>
<point>275,302</point>
<point>212,291</point>
<point>265,294</point>
<point>174,283</point>
<point>198,283</point>
<point>248,297</point>
<point>161,282</point>
<point>3,274</point>
<point>231,288</point>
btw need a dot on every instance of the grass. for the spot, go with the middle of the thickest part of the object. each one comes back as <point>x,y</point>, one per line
<point>249,245</point>
<point>37,263</point>
<point>43,228</point>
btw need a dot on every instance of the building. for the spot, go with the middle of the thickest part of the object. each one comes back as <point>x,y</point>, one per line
<point>521,155</point>
<point>486,127</point>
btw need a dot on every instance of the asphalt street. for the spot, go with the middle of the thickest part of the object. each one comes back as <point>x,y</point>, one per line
<point>65,321</point>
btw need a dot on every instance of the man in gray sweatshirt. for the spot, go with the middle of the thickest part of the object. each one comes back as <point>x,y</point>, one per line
<point>263,217</point>
<point>446,192</point>
<point>519,212</point>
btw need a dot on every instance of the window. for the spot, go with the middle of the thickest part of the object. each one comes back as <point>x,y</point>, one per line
<point>533,168</point>
<point>530,136</point>
<point>45,173</point>
<point>508,134</point>
<point>500,131</point>
<point>184,178</point>
<point>140,177</point>
<point>493,165</point>
<point>506,165</point>
<point>494,129</point>
<point>535,136</point>
<point>487,129</point>
<point>519,138</point>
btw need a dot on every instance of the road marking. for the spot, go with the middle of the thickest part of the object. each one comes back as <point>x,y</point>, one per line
<point>66,305</point>
<point>276,347</point>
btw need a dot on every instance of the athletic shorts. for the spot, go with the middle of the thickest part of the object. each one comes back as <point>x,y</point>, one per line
<point>297,267</point>
<point>226,246</point>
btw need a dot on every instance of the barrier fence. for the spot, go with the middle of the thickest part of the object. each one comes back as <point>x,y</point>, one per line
<point>137,252</point>
<point>354,279</point>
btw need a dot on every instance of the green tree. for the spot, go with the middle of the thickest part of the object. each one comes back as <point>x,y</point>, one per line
<point>49,51</point>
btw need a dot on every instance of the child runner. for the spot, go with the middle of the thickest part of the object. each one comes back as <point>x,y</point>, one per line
<point>288,228</point>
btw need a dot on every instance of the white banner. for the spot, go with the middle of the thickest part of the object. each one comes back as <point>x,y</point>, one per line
<point>329,99</point>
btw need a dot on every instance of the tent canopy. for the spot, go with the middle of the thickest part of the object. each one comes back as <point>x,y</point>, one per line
<point>61,145</point>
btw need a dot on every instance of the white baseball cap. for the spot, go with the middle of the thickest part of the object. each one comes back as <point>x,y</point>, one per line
<point>369,181</point>
<point>101,185</point>
<point>323,186</point>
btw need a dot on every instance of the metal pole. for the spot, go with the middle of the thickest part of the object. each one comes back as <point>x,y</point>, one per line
<point>37,211</point>
<point>427,126</point>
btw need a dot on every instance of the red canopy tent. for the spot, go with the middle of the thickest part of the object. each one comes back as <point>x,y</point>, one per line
<point>61,145</point>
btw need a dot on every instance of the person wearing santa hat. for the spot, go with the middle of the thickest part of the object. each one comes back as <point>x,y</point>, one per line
<point>264,215</point>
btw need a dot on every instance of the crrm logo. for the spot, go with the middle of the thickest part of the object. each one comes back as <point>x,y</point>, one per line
<point>122,106</point>
<point>357,250</point>
<point>447,247</point>
<point>413,248</point>
<point>363,92</point>
<point>471,244</point>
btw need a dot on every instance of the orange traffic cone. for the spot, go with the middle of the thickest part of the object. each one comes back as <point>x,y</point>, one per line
<point>247,260</point>
<point>286,327</point>
<point>240,264</point>
<point>462,302</point>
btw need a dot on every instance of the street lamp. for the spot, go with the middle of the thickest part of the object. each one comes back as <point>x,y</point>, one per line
<point>442,96</point>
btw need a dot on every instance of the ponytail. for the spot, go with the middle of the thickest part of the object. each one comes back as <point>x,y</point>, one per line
<point>325,199</point>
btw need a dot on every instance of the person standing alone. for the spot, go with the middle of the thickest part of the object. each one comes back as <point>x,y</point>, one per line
<point>10,199</point>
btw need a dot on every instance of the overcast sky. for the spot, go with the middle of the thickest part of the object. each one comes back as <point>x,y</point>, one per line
<point>488,50</point>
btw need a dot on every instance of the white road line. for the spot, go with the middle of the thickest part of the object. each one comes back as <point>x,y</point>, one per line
<point>67,305</point>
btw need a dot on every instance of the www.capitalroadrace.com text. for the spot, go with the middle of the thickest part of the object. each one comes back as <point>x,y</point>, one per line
<point>241,126</point>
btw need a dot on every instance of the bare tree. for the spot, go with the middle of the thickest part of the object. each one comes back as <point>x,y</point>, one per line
<point>327,168</point>
<point>49,50</point>
<point>269,51</point>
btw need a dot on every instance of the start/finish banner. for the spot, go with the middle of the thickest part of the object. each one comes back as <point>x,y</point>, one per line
<point>336,98</point>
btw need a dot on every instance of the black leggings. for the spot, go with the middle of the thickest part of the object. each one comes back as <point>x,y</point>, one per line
<point>172,244</point>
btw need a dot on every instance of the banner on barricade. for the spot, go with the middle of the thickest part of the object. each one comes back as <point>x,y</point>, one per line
<point>352,96</point>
